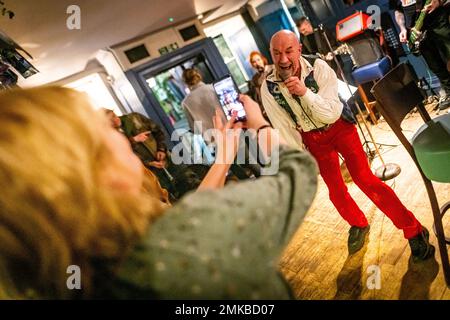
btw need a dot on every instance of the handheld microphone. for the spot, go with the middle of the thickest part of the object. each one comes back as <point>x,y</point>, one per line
<point>284,74</point>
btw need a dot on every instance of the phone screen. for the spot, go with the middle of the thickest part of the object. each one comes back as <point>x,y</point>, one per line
<point>229,98</point>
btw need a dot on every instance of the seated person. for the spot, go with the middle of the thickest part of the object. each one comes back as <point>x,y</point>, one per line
<point>153,186</point>
<point>178,179</point>
<point>76,199</point>
<point>148,142</point>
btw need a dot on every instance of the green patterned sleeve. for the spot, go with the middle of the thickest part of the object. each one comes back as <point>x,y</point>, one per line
<point>226,243</point>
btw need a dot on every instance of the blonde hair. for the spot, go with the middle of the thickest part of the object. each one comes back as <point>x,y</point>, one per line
<point>54,212</point>
<point>191,77</point>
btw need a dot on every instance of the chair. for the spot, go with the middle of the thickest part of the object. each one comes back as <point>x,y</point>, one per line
<point>397,94</point>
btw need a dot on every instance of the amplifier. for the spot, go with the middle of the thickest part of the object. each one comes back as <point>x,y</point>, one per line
<point>352,26</point>
<point>365,49</point>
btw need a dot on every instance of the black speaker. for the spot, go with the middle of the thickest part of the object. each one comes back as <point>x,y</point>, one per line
<point>365,49</point>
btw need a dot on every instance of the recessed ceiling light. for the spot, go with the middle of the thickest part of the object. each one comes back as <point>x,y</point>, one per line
<point>43,55</point>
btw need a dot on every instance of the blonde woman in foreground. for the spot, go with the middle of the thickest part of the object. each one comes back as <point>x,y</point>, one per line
<point>73,194</point>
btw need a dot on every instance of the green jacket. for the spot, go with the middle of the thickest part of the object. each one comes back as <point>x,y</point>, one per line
<point>135,123</point>
<point>221,244</point>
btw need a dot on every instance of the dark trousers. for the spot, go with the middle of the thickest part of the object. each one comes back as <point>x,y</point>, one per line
<point>165,181</point>
<point>435,48</point>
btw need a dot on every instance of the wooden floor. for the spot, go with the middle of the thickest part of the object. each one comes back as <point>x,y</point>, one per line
<point>316,262</point>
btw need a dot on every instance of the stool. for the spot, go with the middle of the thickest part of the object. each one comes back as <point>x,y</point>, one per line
<point>431,144</point>
<point>370,73</point>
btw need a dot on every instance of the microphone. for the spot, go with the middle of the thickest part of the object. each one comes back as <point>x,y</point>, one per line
<point>284,74</point>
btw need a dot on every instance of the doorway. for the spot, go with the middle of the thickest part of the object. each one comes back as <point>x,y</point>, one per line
<point>170,90</point>
<point>160,87</point>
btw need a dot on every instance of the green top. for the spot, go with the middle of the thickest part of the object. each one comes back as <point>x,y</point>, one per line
<point>222,244</point>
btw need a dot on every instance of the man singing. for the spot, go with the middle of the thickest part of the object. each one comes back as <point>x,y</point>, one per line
<point>301,101</point>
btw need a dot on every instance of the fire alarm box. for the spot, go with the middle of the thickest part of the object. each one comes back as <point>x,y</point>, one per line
<point>352,26</point>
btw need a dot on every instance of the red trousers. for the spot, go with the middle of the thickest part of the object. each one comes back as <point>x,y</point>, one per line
<point>343,138</point>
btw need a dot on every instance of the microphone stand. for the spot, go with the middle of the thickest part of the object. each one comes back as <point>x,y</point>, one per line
<point>385,171</point>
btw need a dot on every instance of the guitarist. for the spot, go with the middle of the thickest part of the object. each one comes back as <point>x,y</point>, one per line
<point>435,47</point>
<point>314,43</point>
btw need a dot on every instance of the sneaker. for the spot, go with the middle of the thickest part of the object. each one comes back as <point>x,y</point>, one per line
<point>356,238</point>
<point>421,249</point>
<point>444,102</point>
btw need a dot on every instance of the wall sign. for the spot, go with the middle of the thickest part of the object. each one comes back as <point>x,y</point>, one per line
<point>169,48</point>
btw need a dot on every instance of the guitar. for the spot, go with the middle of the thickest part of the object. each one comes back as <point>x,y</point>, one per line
<point>342,49</point>
<point>416,35</point>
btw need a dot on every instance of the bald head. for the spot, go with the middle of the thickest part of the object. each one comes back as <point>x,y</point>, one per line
<point>283,36</point>
<point>286,50</point>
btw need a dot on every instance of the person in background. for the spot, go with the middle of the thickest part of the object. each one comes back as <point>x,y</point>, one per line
<point>435,48</point>
<point>147,139</point>
<point>84,206</point>
<point>201,103</point>
<point>177,179</point>
<point>302,101</point>
<point>314,43</point>
<point>149,143</point>
<point>262,67</point>
<point>312,40</point>
<point>152,186</point>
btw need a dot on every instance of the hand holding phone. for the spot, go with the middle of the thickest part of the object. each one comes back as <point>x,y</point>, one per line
<point>226,138</point>
<point>228,95</point>
<point>254,116</point>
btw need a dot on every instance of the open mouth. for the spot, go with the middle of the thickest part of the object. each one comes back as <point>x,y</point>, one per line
<point>285,71</point>
<point>286,67</point>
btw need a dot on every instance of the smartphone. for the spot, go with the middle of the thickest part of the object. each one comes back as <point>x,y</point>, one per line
<point>228,95</point>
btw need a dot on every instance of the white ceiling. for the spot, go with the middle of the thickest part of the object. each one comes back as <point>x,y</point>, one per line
<point>39,26</point>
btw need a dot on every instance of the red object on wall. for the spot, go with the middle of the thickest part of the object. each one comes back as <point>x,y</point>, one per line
<point>352,26</point>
